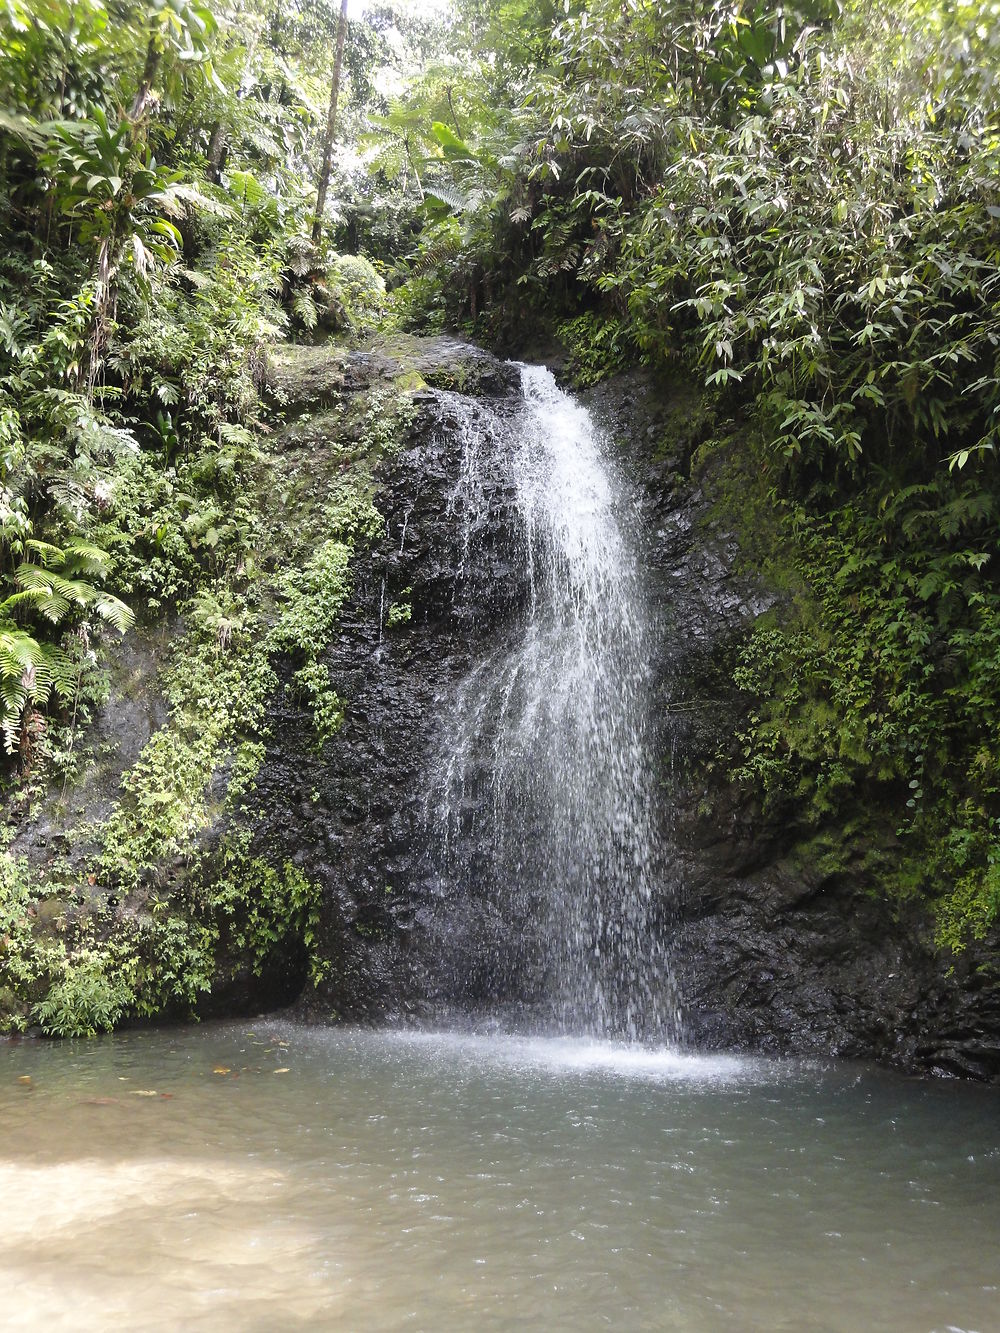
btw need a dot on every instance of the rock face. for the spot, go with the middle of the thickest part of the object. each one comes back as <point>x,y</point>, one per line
<point>398,941</point>
<point>769,954</point>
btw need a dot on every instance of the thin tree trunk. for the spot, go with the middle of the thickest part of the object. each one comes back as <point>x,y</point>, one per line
<point>409,158</point>
<point>451,108</point>
<point>146,82</point>
<point>331,127</point>
<point>218,149</point>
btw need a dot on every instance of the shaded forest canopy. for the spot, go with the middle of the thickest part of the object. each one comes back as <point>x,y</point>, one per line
<point>796,207</point>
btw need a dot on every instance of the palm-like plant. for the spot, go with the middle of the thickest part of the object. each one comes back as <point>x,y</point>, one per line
<point>53,583</point>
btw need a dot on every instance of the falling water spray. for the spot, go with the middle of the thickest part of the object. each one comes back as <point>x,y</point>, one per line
<point>546,757</point>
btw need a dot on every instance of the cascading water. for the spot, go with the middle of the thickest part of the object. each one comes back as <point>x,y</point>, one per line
<point>544,783</point>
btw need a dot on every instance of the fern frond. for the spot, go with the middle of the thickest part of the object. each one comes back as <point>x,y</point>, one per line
<point>70,496</point>
<point>84,557</point>
<point>235,434</point>
<point>63,592</point>
<point>258,137</point>
<point>22,127</point>
<point>445,244</point>
<point>27,598</point>
<point>191,195</point>
<point>114,611</point>
<point>303,257</point>
<point>449,195</point>
<point>199,281</point>
<point>304,308</point>
<point>58,669</point>
<point>18,651</point>
<point>13,695</point>
<point>46,551</point>
<point>248,190</point>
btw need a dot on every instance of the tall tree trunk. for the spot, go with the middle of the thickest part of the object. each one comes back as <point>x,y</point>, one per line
<point>331,127</point>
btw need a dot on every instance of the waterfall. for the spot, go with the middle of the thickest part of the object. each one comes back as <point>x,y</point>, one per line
<point>542,796</point>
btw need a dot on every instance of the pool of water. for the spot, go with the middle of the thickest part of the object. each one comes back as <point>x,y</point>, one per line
<point>281,1177</point>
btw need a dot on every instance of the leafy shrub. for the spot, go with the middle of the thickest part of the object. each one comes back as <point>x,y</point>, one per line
<point>597,347</point>
<point>364,287</point>
<point>91,997</point>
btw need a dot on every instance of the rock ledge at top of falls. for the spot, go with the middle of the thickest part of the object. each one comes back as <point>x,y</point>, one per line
<point>304,377</point>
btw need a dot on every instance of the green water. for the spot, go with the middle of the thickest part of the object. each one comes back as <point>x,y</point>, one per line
<point>301,1178</point>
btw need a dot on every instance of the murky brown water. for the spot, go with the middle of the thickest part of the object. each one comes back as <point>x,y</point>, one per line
<point>308,1179</point>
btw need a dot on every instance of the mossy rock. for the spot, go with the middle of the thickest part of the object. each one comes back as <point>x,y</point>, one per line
<point>301,377</point>
<point>446,363</point>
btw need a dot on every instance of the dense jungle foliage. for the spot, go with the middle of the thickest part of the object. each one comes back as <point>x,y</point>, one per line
<point>797,204</point>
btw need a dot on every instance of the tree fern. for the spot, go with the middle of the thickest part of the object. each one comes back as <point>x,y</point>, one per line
<point>30,673</point>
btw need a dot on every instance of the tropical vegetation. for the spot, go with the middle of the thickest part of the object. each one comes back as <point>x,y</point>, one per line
<point>795,205</point>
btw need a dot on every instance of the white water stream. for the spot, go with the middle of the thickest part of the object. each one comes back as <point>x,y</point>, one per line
<point>545,764</point>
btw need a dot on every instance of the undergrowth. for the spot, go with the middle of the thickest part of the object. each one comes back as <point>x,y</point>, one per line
<point>873,693</point>
<point>175,888</point>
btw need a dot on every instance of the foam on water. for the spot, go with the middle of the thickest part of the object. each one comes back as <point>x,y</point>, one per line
<point>563,1055</point>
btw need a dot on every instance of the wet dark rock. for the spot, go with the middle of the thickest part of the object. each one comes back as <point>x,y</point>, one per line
<point>770,954</point>
<point>134,709</point>
<point>356,817</point>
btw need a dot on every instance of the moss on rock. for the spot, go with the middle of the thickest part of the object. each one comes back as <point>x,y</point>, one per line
<point>165,897</point>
